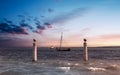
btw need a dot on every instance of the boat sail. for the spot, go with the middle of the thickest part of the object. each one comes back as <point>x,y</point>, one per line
<point>60,47</point>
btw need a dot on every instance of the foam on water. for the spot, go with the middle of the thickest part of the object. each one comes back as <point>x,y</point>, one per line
<point>96,69</point>
<point>59,69</point>
<point>59,63</point>
<point>66,69</point>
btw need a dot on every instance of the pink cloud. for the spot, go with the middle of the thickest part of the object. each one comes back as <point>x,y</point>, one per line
<point>105,40</point>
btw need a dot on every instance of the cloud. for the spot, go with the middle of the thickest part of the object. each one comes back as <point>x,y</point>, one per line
<point>48,25</point>
<point>38,31</point>
<point>104,40</point>
<point>68,16</point>
<point>12,41</point>
<point>7,21</point>
<point>36,20</point>
<point>82,33</point>
<point>50,10</point>
<point>21,16</point>
<point>110,36</point>
<point>40,27</point>
<point>27,17</point>
<point>42,16</point>
<point>105,37</point>
<point>5,41</point>
<point>12,29</point>
<point>23,24</point>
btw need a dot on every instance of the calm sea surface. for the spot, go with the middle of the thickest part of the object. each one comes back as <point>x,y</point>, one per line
<point>18,61</point>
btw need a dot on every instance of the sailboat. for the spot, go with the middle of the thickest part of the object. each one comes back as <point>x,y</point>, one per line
<point>60,47</point>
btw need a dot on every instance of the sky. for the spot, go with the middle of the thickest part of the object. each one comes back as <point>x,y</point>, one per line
<point>21,21</point>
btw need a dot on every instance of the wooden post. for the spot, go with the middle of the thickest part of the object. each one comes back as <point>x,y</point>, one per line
<point>85,50</point>
<point>34,50</point>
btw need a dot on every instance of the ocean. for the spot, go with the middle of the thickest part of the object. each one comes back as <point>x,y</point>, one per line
<point>18,61</point>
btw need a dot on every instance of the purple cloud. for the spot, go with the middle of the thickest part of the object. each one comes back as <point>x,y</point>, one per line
<point>12,29</point>
<point>48,25</point>
<point>41,27</point>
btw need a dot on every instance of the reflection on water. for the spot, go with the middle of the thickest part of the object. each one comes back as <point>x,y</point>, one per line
<point>18,61</point>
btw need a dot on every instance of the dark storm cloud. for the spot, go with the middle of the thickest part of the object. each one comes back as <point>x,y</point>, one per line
<point>12,29</point>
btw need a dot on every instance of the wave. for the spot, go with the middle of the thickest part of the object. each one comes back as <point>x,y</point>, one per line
<point>113,67</point>
<point>96,69</point>
<point>66,69</point>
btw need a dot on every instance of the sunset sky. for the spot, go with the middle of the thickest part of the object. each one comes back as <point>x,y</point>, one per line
<point>96,20</point>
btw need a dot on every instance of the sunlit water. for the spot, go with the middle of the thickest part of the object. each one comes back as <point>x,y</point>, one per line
<point>18,61</point>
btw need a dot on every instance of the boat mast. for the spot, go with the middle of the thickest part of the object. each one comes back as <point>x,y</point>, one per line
<point>61,41</point>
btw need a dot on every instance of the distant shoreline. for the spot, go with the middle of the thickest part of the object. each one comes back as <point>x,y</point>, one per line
<point>65,47</point>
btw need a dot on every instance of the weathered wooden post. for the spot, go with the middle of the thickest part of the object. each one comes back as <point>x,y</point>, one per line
<point>34,50</point>
<point>85,50</point>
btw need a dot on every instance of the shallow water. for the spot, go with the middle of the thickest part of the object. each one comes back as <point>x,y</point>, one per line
<point>18,61</point>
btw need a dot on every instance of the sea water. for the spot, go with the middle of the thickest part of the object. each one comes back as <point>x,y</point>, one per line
<point>18,61</point>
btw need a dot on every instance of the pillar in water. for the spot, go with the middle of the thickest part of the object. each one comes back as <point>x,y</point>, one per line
<point>85,50</point>
<point>34,50</point>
